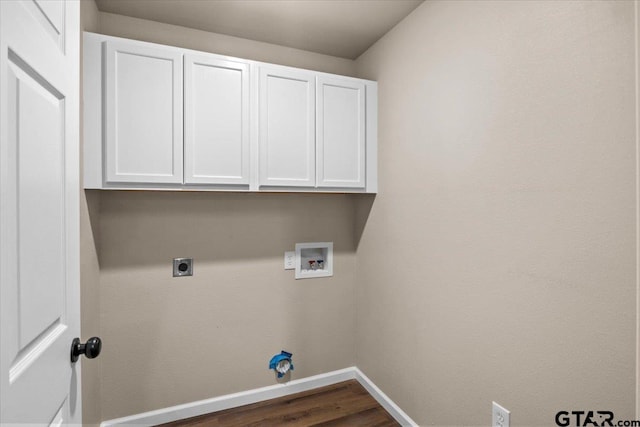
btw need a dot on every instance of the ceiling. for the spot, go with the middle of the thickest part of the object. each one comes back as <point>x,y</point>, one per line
<point>343,28</point>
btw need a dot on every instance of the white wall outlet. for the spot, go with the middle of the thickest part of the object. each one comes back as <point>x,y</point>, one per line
<point>290,260</point>
<point>500,416</point>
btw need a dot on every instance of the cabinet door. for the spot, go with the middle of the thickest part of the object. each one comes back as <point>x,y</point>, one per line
<point>143,109</point>
<point>340,133</point>
<point>287,128</point>
<point>216,121</point>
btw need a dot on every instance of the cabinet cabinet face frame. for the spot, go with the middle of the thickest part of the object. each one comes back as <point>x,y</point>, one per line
<point>340,133</point>
<point>286,128</point>
<point>148,118</point>
<point>216,121</point>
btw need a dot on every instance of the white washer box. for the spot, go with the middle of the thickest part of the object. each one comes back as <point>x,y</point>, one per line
<point>314,260</point>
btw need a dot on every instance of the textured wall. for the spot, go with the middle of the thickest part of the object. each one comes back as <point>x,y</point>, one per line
<point>176,340</point>
<point>169,341</point>
<point>173,35</point>
<point>498,260</point>
<point>89,267</point>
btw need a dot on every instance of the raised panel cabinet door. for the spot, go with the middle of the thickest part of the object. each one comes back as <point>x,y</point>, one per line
<point>286,128</point>
<point>216,121</point>
<point>143,114</point>
<point>341,138</point>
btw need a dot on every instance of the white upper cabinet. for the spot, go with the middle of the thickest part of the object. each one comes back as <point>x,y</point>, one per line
<point>287,127</point>
<point>166,118</point>
<point>340,141</point>
<point>216,121</point>
<point>143,114</point>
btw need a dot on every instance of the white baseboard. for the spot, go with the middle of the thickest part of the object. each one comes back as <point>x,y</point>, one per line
<point>248,397</point>
<point>394,410</point>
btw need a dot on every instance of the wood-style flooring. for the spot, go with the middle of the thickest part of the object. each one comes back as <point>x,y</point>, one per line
<point>343,404</point>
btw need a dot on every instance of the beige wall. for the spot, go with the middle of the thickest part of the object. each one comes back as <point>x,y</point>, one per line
<point>176,340</point>
<point>637,16</point>
<point>156,32</point>
<point>89,267</point>
<point>498,260</point>
<point>169,341</point>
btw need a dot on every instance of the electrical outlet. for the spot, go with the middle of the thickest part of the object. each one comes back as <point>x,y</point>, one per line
<point>290,260</point>
<point>500,416</point>
<point>182,267</point>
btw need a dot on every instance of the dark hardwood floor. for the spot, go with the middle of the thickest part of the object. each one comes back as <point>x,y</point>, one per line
<point>342,404</point>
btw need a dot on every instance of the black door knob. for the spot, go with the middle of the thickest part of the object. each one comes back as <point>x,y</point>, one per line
<point>90,350</point>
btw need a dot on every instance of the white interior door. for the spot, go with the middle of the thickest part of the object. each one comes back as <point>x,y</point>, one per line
<point>39,188</point>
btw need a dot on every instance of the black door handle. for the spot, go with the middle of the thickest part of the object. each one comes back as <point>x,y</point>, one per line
<point>90,350</point>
